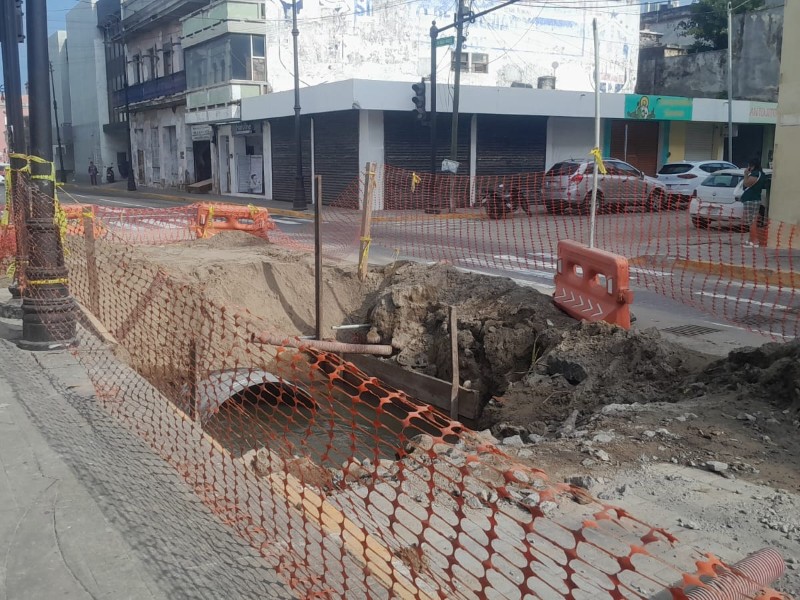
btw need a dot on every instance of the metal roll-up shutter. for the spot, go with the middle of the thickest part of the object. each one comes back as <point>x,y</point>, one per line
<point>699,141</point>
<point>641,149</point>
<point>283,158</point>
<point>511,144</point>
<point>336,153</point>
<point>407,143</point>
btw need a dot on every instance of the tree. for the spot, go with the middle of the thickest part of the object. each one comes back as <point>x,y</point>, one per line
<point>708,22</point>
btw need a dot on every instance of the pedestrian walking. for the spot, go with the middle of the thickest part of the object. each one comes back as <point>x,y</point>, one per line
<point>93,172</point>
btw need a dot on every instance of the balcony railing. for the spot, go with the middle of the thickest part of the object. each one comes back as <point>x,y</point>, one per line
<point>169,85</point>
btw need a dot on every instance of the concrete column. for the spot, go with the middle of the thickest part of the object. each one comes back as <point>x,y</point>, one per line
<point>370,149</point>
<point>267,133</point>
<point>785,197</point>
<point>473,158</point>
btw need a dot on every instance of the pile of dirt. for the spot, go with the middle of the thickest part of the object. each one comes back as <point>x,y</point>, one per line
<point>274,284</point>
<point>770,372</point>
<point>502,327</point>
<point>591,365</point>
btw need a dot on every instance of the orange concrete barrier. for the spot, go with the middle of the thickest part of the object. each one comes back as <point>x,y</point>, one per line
<point>213,218</point>
<point>592,285</point>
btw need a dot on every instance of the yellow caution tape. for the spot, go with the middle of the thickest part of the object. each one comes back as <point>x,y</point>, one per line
<point>367,241</point>
<point>598,158</point>
<point>415,181</point>
<point>63,280</point>
<point>12,270</point>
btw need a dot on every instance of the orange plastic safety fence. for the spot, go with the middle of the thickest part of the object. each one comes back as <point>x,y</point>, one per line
<point>347,487</point>
<point>698,254</point>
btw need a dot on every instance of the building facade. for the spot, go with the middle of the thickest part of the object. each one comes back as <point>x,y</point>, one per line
<point>501,131</point>
<point>4,158</point>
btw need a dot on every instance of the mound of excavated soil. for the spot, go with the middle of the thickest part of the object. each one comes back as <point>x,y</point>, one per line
<point>240,270</point>
<point>501,325</point>
<point>591,365</point>
<point>770,372</point>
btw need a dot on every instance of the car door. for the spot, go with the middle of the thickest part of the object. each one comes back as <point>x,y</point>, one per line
<point>632,189</point>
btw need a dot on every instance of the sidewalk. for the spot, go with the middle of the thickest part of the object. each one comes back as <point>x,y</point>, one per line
<point>88,511</point>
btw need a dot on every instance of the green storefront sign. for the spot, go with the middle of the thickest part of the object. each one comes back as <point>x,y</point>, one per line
<point>659,108</point>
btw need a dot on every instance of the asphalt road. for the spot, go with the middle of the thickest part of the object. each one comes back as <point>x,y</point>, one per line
<point>524,249</point>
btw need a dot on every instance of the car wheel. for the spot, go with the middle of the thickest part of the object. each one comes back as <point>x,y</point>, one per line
<point>554,207</point>
<point>495,207</point>
<point>657,200</point>
<point>700,222</point>
<point>586,206</point>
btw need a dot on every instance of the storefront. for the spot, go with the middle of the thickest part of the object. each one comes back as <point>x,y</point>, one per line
<point>241,158</point>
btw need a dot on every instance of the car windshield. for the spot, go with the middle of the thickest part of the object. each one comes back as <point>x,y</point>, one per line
<point>675,169</point>
<point>563,168</point>
<point>723,180</point>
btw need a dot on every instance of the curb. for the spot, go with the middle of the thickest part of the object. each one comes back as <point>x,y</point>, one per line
<point>284,212</point>
<point>781,279</point>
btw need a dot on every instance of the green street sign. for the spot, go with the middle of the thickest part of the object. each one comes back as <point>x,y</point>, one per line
<point>445,41</point>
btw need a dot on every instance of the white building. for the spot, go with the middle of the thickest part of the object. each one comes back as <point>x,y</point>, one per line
<point>384,39</point>
<point>87,92</point>
<point>59,58</point>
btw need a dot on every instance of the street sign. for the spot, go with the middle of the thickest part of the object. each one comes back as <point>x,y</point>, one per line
<point>445,41</point>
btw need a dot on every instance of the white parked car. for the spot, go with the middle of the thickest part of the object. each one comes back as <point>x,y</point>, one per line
<point>717,201</point>
<point>682,178</point>
<point>2,180</point>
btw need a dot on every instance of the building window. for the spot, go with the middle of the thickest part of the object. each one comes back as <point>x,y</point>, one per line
<point>167,57</point>
<point>475,62</point>
<point>480,62</point>
<point>235,56</point>
<point>137,68</point>
<point>464,61</point>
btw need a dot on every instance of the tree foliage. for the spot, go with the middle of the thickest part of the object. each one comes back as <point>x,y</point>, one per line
<point>708,22</point>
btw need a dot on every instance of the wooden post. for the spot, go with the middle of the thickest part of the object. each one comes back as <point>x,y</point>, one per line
<point>193,412</point>
<point>454,354</point>
<point>318,255</point>
<point>91,266</point>
<point>366,221</point>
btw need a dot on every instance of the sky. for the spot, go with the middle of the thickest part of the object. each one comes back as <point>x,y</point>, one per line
<point>56,14</point>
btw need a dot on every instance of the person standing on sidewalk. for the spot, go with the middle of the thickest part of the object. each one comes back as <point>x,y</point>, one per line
<point>754,182</point>
<point>93,172</point>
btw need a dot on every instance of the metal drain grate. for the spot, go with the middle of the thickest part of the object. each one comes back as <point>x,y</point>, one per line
<point>690,330</point>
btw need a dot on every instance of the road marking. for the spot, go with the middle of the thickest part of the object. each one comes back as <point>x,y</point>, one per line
<point>746,300</point>
<point>120,202</point>
<point>654,273</point>
<point>286,221</point>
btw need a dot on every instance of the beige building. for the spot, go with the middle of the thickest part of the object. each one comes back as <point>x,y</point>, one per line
<point>785,197</point>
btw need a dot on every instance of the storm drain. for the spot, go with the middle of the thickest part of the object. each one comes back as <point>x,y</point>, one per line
<point>690,330</point>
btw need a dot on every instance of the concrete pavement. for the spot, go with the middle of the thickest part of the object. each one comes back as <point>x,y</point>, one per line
<point>88,511</point>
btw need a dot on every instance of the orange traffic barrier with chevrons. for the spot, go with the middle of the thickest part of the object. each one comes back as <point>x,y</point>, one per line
<point>592,284</point>
<point>213,218</point>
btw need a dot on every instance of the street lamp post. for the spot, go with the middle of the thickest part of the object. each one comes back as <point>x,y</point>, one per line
<point>299,189</point>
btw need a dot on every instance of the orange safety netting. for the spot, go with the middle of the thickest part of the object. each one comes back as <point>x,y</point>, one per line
<point>347,487</point>
<point>712,260</point>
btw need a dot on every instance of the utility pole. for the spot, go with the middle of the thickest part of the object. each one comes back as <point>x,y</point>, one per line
<point>122,41</point>
<point>58,128</point>
<point>48,311</point>
<point>459,21</point>
<point>730,83</point>
<point>10,36</point>
<point>299,189</point>
<point>432,112</point>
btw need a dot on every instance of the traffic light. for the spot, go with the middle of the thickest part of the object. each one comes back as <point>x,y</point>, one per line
<point>419,99</point>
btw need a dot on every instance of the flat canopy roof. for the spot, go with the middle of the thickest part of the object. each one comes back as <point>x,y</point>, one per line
<point>396,96</point>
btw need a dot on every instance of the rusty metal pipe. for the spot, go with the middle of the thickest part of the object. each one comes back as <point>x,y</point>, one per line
<point>326,346</point>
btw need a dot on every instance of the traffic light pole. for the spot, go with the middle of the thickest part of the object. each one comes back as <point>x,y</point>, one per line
<point>48,311</point>
<point>461,18</point>
<point>58,128</point>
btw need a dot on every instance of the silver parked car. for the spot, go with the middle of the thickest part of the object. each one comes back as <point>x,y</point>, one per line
<point>568,186</point>
<point>682,178</point>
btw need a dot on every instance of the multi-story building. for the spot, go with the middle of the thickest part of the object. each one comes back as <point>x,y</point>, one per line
<point>59,59</point>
